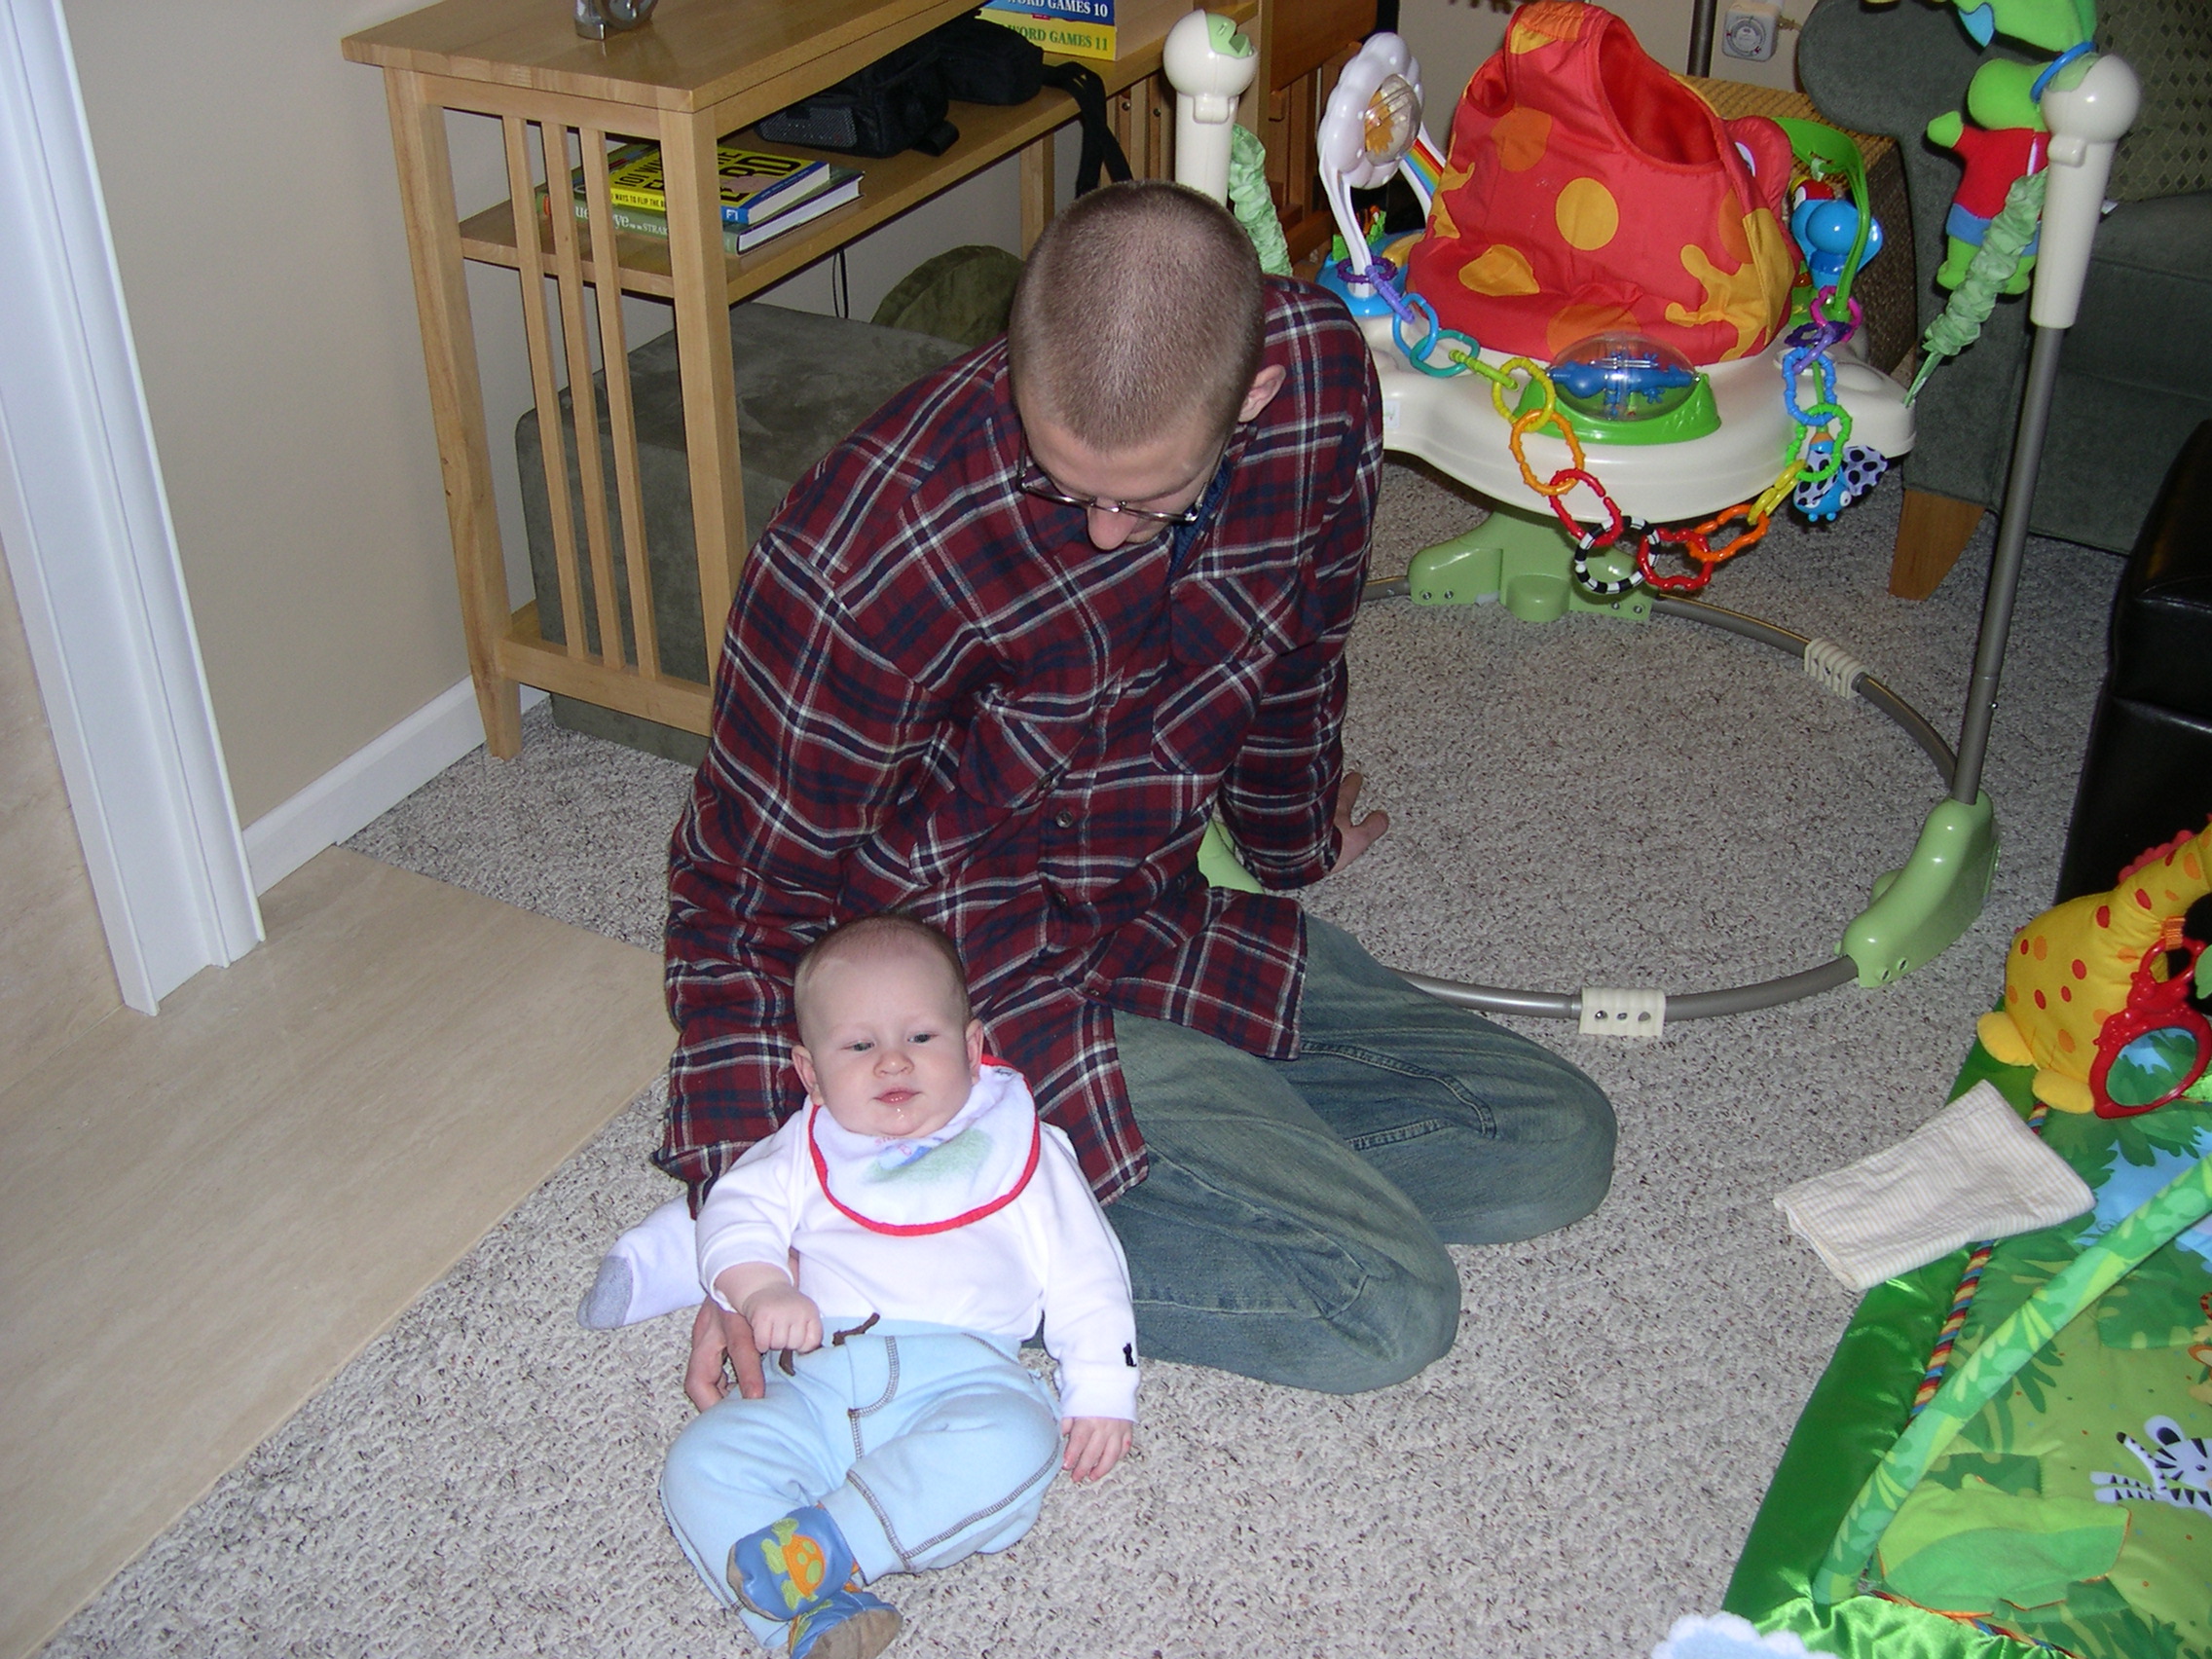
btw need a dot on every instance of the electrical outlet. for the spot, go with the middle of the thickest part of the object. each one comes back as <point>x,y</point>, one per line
<point>1749,29</point>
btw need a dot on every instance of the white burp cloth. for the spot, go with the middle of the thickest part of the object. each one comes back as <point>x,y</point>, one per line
<point>1973,1171</point>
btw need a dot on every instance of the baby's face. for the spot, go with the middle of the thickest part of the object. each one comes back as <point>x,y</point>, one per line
<point>887,1052</point>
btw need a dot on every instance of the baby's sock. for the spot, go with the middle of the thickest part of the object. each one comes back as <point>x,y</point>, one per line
<point>652,1269</point>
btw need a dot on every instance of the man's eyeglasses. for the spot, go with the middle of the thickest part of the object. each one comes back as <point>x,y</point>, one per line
<point>1033,482</point>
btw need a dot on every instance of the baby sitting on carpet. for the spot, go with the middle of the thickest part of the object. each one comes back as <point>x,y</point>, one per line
<point>931,1216</point>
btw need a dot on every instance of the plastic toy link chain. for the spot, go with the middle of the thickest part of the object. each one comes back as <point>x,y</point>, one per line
<point>1827,424</point>
<point>1815,457</point>
<point>1695,543</point>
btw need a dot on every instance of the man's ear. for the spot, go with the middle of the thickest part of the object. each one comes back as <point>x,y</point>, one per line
<point>1265,384</point>
<point>802,1062</point>
<point>974,1048</point>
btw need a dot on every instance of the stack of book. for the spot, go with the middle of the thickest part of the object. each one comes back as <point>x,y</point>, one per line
<point>1079,28</point>
<point>762,193</point>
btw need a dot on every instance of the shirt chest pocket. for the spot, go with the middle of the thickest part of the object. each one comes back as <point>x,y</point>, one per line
<point>1019,745</point>
<point>1226,635</point>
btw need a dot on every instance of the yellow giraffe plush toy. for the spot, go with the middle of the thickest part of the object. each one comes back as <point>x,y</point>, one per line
<point>2068,971</point>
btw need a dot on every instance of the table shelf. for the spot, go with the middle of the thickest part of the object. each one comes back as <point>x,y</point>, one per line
<point>888,187</point>
<point>524,655</point>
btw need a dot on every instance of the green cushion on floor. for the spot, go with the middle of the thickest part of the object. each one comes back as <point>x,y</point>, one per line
<point>963,294</point>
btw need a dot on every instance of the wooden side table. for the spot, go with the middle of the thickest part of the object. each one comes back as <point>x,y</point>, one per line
<point>702,70</point>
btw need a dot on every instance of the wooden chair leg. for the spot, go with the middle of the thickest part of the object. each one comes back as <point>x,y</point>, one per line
<point>1933,530</point>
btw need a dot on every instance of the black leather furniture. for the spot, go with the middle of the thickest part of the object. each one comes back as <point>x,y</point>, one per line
<point>2148,774</point>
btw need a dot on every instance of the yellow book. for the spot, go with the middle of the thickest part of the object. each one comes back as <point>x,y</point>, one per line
<point>1056,31</point>
<point>755,184</point>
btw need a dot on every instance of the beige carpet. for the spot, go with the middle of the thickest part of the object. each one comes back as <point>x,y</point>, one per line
<point>1582,803</point>
<point>204,1215</point>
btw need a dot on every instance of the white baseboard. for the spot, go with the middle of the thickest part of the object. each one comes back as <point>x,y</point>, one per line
<point>367,783</point>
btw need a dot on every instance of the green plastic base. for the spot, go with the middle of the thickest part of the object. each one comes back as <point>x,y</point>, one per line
<point>1526,564</point>
<point>1219,863</point>
<point>1920,910</point>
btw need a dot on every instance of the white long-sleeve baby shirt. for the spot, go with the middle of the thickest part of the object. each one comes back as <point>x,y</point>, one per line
<point>984,1226</point>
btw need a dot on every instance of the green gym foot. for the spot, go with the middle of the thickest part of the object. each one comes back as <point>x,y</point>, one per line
<point>1525,563</point>
<point>1920,910</point>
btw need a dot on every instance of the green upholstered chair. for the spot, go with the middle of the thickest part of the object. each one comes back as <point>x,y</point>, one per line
<point>2136,375</point>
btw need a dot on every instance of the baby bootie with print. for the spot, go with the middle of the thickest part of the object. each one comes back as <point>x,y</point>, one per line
<point>792,1566</point>
<point>850,1624</point>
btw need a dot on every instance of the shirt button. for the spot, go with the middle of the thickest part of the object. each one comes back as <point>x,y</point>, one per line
<point>1063,819</point>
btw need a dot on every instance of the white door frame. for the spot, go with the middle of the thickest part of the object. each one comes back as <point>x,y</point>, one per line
<point>92,552</point>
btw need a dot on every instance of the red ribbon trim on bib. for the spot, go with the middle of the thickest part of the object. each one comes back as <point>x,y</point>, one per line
<point>909,1229</point>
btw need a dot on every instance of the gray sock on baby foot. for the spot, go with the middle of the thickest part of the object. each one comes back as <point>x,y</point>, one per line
<point>607,1304</point>
<point>650,1270</point>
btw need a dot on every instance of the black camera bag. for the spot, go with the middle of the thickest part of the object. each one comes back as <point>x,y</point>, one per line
<point>898,103</point>
<point>989,64</point>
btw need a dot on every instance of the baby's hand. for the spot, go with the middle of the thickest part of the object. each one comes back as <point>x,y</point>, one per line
<point>782,1316</point>
<point>1095,1445</point>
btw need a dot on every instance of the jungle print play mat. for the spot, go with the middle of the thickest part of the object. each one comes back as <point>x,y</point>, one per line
<point>2072,1512</point>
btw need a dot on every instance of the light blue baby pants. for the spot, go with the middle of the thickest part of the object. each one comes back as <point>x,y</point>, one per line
<point>925,1445</point>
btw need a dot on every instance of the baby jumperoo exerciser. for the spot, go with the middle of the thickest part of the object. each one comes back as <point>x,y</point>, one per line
<point>1620,453</point>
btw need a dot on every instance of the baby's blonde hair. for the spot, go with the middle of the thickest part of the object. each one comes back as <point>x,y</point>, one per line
<point>878,935</point>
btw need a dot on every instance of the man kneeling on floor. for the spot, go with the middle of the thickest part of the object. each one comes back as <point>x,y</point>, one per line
<point>995,663</point>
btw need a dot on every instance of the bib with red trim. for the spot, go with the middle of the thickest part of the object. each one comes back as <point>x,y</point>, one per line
<point>974,1166</point>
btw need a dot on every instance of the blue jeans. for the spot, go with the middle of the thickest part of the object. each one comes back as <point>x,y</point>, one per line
<point>1293,1226</point>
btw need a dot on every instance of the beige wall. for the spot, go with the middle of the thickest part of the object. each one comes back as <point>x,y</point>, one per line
<point>55,981</point>
<point>250,190</point>
<point>1452,38</point>
<point>248,175</point>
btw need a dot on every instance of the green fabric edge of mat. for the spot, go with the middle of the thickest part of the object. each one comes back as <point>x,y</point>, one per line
<point>1853,1416</point>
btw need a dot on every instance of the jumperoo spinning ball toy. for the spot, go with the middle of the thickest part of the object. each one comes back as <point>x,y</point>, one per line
<point>1625,376</point>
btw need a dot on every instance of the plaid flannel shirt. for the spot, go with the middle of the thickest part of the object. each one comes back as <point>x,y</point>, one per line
<point>936,695</point>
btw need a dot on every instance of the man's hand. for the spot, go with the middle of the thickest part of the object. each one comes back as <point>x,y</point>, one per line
<point>715,1337</point>
<point>1362,833</point>
<point>783,1317</point>
<point>1095,1445</point>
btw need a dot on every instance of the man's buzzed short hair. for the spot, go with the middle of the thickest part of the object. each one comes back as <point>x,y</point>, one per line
<point>1139,312</point>
<point>879,936</point>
